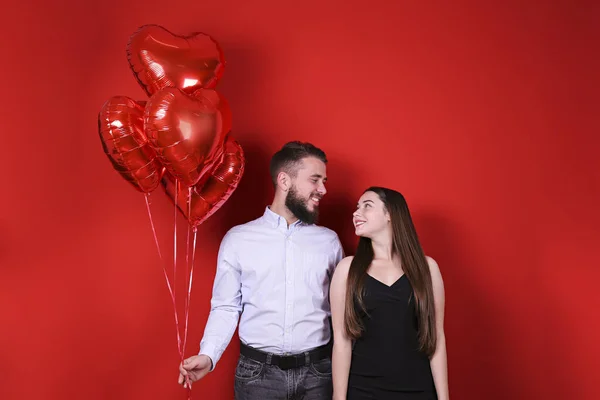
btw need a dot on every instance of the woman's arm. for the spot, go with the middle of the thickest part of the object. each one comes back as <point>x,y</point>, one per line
<point>438,362</point>
<point>342,345</point>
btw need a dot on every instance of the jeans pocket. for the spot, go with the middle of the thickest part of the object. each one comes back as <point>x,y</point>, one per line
<point>248,369</point>
<point>322,368</point>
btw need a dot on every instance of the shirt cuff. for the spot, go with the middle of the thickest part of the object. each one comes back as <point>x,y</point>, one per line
<point>211,352</point>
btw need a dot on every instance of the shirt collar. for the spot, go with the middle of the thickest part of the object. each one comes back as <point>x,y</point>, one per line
<point>277,220</point>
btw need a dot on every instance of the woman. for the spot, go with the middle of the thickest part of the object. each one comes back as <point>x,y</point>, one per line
<point>387,305</point>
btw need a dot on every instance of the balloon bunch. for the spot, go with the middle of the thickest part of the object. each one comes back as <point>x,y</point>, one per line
<point>179,138</point>
<point>180,135</point>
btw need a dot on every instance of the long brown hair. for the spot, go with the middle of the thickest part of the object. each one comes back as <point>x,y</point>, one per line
<point>407,247</point>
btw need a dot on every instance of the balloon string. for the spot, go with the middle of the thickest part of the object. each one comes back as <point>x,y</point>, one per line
<point>171,291</point>
<point>187,251</point>
<point>180,345</point>
<point>189,292</point>
<point>187,304</point>
<point>190,269</point>
<point>188,282</point>
<point>175,248</point>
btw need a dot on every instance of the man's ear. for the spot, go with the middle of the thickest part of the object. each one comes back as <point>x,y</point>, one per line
<point>284,181</point>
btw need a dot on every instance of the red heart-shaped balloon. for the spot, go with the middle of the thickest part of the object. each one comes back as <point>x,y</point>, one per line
<point>121,130</point>
<point>159,59</point>
<point>187,131</point>
<point>206,198</point>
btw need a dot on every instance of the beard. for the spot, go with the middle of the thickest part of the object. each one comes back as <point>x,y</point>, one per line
<point>298,206</point>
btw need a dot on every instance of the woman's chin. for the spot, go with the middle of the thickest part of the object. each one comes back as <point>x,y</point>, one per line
<point>359,232</point>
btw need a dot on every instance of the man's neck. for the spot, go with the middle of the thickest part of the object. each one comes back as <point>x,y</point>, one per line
<point>282,210</point>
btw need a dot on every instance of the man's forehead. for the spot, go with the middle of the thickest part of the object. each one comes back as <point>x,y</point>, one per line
<point>308,162</point>
<point>312,166</point>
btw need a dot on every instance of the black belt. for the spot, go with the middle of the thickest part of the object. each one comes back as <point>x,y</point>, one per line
<point>287,362</point>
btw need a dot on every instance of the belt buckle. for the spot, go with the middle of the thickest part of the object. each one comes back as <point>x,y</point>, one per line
<point>290,362</point>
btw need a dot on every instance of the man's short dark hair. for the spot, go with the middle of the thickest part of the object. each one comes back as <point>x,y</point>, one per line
<point>290,155</point>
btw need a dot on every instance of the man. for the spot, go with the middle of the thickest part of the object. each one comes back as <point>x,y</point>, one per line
<point>275,273</point>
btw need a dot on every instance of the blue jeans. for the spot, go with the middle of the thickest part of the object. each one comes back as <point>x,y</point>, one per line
<point>260,381</point>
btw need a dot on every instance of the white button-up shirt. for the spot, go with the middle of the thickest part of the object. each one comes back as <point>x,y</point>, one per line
<point>277,277</point>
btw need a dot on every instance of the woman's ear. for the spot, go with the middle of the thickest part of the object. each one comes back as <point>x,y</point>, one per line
<point>387,215</point>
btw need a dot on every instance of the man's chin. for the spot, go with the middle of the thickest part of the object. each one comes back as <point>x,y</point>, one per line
<point>314,217</point>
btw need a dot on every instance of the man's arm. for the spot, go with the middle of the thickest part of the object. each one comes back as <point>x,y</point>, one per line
<point>338,251</point>
<point>226,303</point>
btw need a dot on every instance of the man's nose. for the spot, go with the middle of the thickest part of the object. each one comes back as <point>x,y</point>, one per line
<point>321,190</point>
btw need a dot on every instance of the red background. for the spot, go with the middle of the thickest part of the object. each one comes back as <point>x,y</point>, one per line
<point>484,116</point>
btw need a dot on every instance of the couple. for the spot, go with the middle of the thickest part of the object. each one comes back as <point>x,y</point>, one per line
<point>276,276</point>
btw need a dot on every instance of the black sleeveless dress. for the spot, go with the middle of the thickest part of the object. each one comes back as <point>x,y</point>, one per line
<point>386,362</point>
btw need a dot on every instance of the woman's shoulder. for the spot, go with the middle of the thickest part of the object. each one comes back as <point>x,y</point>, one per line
<point>340,275</point>
<point>431,262</point>
<point>345,262</point>
<point>343,266</point>
<point>434,270</point>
